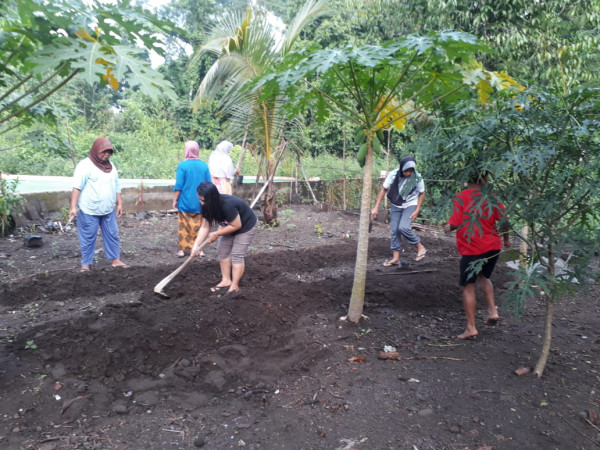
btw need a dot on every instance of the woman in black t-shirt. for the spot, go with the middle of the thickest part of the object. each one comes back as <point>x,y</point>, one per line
<point>236,226</point>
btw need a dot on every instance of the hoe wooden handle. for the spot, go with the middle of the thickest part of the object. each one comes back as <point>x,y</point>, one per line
<point>159,288</point>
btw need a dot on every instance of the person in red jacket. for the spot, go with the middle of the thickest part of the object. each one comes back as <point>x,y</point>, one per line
<point>479,244</point>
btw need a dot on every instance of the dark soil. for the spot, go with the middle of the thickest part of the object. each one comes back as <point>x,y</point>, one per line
<point>97,360</point>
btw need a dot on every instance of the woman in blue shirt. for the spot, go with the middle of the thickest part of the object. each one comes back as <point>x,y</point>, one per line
<point>190,173</point>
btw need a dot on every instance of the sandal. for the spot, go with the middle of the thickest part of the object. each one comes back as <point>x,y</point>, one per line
<point>216,289</point>
<point>390,263</point>
<point>84,269</point>
<point>124,266</point>
<point>421,256</point>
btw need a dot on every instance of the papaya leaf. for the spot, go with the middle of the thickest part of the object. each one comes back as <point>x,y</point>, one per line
<point>140,74</point>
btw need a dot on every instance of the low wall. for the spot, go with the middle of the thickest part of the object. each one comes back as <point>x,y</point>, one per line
<point>43,206</point>
<point>156,198</point>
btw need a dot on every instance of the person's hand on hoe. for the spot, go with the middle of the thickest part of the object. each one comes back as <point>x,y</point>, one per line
<point>72,214</point>
<point>374,213</point>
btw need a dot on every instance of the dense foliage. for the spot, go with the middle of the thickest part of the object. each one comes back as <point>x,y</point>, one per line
<point>517,31</point>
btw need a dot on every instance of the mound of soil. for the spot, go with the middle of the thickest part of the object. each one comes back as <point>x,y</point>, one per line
<point>97,360</point>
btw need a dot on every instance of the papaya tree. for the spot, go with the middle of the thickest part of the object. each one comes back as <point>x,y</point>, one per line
<point>378,86</point>
<point>48,43</point>
<point>543,150</point>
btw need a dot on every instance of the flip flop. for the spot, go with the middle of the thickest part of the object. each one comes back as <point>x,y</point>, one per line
<point>421,256</point>
<point>84,269</point>
<point>124,266</point>
<point>216,289</point>
<point>390,263</point>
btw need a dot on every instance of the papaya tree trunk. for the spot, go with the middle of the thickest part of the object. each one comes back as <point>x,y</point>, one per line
<point>541,363</point>
<point>360,269</point>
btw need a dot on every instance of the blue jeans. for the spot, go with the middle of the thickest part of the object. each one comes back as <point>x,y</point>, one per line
<point>401,226</point>
<point>87,229</point>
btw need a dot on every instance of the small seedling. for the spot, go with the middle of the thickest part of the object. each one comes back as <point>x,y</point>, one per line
<point>54,249</point>
<point>319,229</point>
<point>38,388</point>
<point>363,332</point>
<point>30,345</point>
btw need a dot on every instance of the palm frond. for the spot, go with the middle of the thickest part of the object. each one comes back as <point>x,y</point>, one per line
<point>311,10</point>
<point>246,47</point>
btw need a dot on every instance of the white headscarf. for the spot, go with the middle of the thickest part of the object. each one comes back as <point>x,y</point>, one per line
<point>219,161</point>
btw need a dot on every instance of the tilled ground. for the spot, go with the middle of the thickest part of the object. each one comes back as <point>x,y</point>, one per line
<point>97,360</point>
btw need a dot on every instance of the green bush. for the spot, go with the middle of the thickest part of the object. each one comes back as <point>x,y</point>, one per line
<point>9,201</point>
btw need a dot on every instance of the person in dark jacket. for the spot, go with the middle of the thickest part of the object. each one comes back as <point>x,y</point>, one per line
<point>406,188</point>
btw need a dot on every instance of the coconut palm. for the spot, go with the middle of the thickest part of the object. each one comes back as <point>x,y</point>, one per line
<point>246,47</point>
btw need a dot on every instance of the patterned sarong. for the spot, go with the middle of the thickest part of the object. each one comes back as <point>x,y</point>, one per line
<point>188,225</point>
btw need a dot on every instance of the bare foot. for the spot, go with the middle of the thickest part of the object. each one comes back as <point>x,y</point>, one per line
<point>493,318</point>
<point>468,335</point>
<point>492,321</point>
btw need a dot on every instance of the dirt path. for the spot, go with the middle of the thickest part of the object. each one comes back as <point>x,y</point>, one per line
<point>273,367</point>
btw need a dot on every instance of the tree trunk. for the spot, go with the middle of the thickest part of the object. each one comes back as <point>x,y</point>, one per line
<point>360,269</point>
<point>344,204</point>
<point>523,261</point>
<point>541,363</point>
<point>268,203</point>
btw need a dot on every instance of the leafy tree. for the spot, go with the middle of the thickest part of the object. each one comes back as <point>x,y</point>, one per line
<point>247,47</point>
<point>550,41</point>
<point>47,44</point>
<point>543,148</point>
<point>376,87</point>
<point>94,103</point>
<point>541,41</point>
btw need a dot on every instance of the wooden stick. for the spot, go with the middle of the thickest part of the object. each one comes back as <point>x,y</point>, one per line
<point>407,273</point>
<point>397,357</point>
<point>270,180</point>
<point>580,432</point>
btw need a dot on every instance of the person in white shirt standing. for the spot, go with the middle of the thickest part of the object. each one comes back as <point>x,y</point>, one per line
<point>96,202</point>
<point>221,167</point>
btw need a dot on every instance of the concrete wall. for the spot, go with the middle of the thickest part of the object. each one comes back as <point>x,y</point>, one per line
<point>43,206</point>
<point>161,197</point>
